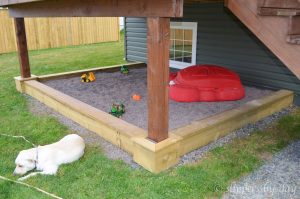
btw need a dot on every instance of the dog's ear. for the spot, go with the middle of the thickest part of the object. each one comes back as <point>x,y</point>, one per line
<point>31,160</point>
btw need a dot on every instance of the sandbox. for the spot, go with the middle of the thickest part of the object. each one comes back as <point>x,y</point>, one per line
<point>114,87</point>
<point>192,125</point>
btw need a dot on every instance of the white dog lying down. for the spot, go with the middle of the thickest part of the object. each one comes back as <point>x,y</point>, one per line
<point>47,159</point>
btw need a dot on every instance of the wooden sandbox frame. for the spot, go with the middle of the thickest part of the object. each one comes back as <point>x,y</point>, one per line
<point>154,157</point>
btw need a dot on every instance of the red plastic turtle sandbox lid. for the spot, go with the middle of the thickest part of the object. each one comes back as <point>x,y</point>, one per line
<point>205,83</point>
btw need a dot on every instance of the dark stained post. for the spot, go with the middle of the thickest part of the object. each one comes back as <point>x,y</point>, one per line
<point>158,40</point>
<point>22,47</point>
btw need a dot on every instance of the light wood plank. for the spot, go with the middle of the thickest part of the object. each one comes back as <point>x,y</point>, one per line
<point>200,133</point>
<point>78,73</point>
<point>58,32</point>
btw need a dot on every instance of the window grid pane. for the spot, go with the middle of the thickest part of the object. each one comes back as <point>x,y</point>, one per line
<point>181,45</point>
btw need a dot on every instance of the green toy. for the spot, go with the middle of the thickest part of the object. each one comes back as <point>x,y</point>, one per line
<point>124,70</point>
<point>117,110</point>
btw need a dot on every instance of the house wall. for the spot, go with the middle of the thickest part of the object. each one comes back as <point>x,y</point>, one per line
<point>222,39</point>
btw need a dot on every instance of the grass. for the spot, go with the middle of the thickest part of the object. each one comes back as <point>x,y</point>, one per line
<point>96,176</point>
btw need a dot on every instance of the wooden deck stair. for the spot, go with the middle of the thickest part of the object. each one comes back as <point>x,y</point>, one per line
<point>279,7</point>
<point>284,8</point>
<point>276,23</point>
<point>294,30</point>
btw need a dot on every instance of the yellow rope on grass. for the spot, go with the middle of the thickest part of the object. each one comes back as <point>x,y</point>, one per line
<point>30,186</point>
<point>18,136</point>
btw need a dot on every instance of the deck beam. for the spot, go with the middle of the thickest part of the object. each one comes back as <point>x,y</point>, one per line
<point>158,40</point>
<point>22,47</point>
<point>96,8</point>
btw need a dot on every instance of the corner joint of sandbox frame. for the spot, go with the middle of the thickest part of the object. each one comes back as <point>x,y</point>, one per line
<point>157,157</point>
<point>19,82</point>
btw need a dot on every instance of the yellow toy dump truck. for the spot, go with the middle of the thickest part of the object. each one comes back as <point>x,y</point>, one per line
<point>88,78</point>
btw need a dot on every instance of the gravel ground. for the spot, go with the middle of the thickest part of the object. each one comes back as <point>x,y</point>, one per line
<point>278,179</point>
<point>197,154</point>
<point>116,87</point>
<point>114,152</point>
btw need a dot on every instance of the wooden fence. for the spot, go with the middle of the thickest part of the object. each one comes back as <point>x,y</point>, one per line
<point>58,32</point>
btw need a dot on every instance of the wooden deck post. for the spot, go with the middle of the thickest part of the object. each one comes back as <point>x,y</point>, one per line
<point>22,47</point>
<point>158,40</point>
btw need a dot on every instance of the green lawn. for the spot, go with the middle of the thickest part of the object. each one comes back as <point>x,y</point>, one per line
<point>96,176</point>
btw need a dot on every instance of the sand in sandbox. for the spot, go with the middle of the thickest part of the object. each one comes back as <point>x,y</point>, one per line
<point>116,87</point>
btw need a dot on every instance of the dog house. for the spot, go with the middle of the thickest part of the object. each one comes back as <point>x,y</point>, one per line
<point>157,148</point>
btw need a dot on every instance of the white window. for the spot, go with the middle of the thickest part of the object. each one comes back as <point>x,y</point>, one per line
<point>183,44</point>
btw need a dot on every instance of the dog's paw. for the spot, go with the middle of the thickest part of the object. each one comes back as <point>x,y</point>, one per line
<point>22,179</point>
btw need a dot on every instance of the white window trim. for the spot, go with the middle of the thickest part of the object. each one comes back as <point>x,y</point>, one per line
<point>190,26</point>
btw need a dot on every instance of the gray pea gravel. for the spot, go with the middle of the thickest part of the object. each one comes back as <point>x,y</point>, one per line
<point>111,87</point>
<point>277,179</point>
